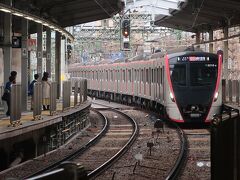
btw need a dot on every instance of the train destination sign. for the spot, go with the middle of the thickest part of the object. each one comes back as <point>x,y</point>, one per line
<point>192,58</point>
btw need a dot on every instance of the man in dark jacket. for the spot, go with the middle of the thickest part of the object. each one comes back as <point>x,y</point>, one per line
<point>7,90</point>
<point>31,87</point>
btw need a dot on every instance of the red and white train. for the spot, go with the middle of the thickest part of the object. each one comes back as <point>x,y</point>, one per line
<point>183,86</point>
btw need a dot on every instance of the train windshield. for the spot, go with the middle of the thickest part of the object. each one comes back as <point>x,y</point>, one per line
<point>202,74</point>
<point>178,74</point>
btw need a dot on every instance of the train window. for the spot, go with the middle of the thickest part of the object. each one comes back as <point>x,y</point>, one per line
<point>111,75</point>
<point>178,74</point>
<point>153,77</point>
<point>121,75</point>
<point>147,78</point>
<point>129,75</point>
<point>202,74</point>
<point>107,75</point>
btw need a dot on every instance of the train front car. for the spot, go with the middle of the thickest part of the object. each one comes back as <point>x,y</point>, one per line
<point>194,80</point>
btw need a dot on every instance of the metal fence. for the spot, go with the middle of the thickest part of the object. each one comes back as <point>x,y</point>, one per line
<point>66,94</point>
<point>80,91</point>
<point>231,91</point>
<point>85,89</point>
<point>53,98</point>
<point>1,93</point>
<point>225,145</point>
<point>76,93</point>
<point>37,100</point>
<point>15,104</point>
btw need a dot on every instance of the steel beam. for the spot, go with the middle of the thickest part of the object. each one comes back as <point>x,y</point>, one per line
<point>7,50</point>
<point>225,54</point>
<point>58,62</point>
<point>24,64</point>
<point>48,51</point>
<point>211,39</point>
<point>39,50</point>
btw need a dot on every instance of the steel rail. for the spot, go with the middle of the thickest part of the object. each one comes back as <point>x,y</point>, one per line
<point>108,163</point>
<point>76,153</point>
<point>176,169</point>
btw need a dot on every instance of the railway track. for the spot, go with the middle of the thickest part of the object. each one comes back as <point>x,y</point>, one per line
<point>49,161</point>
<point>174,152</point>
<point>197,162</point>
<point>193,158</point>
<point>79,151</point>
<point>166,155</point>
<point>99,153</point>
<point>116,142</point>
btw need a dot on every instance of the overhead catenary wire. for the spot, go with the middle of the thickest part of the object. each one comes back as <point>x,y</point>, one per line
<point>198,11</point>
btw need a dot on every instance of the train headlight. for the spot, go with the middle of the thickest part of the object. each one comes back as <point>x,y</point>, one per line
<point>215,96</point>
<point>172,97</point>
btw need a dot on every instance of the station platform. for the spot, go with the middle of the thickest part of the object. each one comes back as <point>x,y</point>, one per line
<point>28,124</point>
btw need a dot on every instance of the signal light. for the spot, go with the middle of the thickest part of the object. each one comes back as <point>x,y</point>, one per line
<point>125,27</point>
<point>126,45</point>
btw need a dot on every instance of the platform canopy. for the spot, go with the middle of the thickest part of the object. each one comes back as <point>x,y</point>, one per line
<point>202,15</point>
<point>154,7</point>
<point>70,12</point>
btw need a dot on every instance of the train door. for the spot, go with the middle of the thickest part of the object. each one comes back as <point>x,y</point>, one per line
<point>134,80</point>
<point>163,84</point>
<point>156,82</point>
<point>118,79</point>
<point>124,81</point>
<point>129,79</point>
<point>104,78</point>
<point>114,79</point>
<point>101,78</point>
<point>138,81</point>
<point>146,81</point>
<point>153,82</point>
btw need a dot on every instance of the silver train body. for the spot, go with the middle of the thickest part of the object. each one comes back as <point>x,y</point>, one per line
<point>184,86</point>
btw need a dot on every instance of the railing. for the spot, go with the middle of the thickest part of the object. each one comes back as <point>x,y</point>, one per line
<point>80,89</point>
<point>53,98</point>
<point>231,91</point>
<point>15,109</point>
<point>66,94</point>
<point>225,145</point>
<point>84,89</point>
<point>1,93</point>
<point>80,95</point>
<point>76,93</point>
<point>37,100</point>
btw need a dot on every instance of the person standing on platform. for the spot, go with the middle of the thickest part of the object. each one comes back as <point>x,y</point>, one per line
<point>14,74</point>
<point>7,92</point>
<point>46,91</point>
<point>31,88</point>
